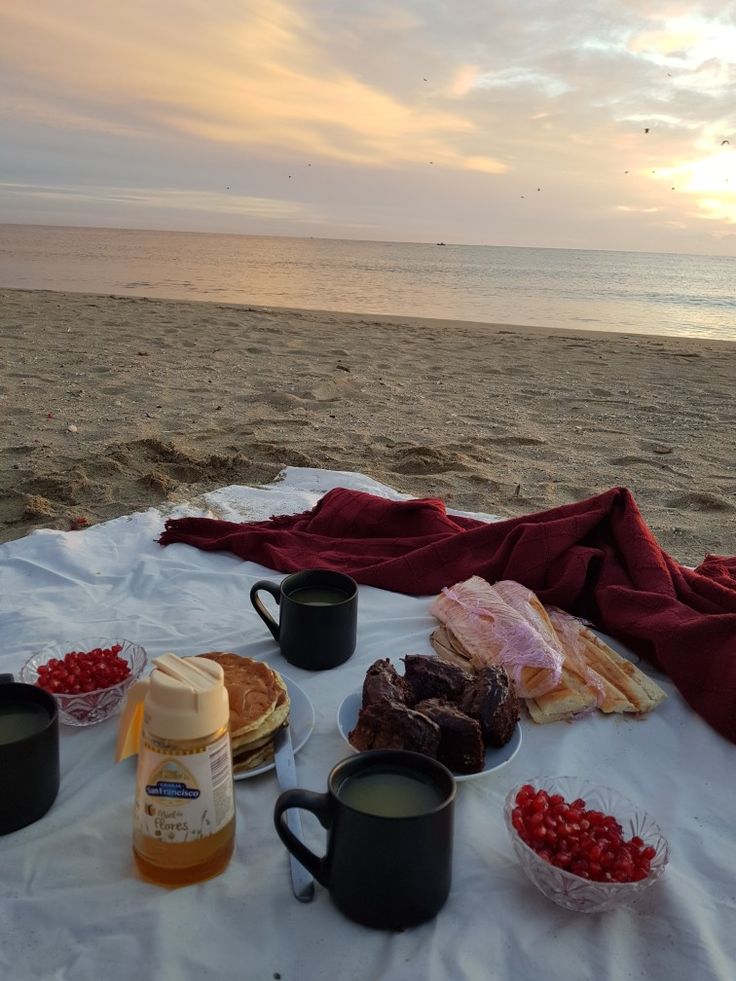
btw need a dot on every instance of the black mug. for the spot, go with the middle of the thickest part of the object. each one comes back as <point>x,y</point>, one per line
<point>389,818</point>
<point>29,753</point>
<point>318,617</point>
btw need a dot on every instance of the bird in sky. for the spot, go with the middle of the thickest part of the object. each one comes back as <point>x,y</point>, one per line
<point>725,143</point>
<point>646,129</point>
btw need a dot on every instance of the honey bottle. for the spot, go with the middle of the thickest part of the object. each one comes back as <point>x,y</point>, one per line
<point>177,721</point>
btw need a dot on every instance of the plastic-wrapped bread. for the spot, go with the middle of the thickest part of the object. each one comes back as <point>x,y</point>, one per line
<point>488,630</point>
<point>577,673</point>
<point>567,699</point>
<point>627,689</point>
<point>561,668</point>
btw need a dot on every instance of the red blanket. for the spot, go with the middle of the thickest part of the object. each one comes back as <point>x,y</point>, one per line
<point>596,558</point>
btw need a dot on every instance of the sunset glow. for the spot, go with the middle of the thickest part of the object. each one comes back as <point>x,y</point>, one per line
<point>385,120</point>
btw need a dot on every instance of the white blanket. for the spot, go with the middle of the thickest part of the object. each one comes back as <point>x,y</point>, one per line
<point>71,908</point>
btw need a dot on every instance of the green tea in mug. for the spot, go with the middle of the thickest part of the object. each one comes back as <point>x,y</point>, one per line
<point>390,793</point>
<point>20,721</point>
<point>318,596</point>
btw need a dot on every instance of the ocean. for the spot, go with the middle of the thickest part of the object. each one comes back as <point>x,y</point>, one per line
<point>634,292</point>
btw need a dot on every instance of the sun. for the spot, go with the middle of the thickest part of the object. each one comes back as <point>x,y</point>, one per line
<point>711,175</point>
<point>711,180</point>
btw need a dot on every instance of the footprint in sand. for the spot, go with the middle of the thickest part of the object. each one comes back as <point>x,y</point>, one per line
<point>426,460</point>
<point>23,449</point>
<point>278,400</point>
<point>330,390</point>
<point>700,501</point>
<point>629,459</point>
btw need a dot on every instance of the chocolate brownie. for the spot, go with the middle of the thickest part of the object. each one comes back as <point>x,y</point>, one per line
<point>391,725</point>
<point>461,743</point>
<point>430,677</point>
<point>383,683</point>
<point>491,698</point>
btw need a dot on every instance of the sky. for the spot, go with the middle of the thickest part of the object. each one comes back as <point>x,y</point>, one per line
<point>601,124</point>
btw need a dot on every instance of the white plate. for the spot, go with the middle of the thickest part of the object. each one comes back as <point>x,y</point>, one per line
<point>301,720</point>
<point>347,716</point>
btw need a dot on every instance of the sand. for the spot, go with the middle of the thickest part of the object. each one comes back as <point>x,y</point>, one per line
<point>114,404</point>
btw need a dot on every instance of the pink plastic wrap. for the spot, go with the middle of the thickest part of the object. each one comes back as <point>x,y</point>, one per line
<point>525,602</point>
<point>494,632</point>
<point>568,629</point>
<point>560,630</point>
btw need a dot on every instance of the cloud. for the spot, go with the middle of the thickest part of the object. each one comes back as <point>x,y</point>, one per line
<point>209,202</point>
<point>250,75</point>
<point>715,209</point>
<point>408,112</point>
<point>515,78</point>
<point>485,165</point>
<point>465,79</point>
<point>642,211</point>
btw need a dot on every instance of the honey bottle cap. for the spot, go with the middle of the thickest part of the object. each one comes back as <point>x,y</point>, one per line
<point>181,699</point>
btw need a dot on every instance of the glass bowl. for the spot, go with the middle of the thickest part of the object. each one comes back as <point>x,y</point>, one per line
<point>91,707</point>
<point>569,890</point>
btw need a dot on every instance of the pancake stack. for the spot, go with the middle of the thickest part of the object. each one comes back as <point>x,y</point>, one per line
<point>259,705</point>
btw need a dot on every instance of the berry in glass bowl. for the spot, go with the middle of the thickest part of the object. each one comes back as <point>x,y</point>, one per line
<point>586,847</point>
<point>88,677</point>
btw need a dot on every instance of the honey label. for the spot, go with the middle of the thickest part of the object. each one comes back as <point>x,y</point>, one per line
<point>184,798</point>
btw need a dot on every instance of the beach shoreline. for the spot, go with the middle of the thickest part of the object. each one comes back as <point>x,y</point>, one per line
<point>112,404</point>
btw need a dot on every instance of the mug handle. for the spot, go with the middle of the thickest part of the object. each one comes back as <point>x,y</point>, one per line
<point>275,590</point>
<point>319,805</point>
